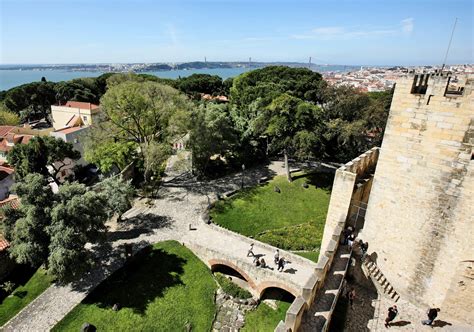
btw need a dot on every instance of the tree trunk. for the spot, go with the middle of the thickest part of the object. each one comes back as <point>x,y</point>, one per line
<point>287,167</point>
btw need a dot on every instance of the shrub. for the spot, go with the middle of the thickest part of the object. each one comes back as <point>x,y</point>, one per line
<point>230,288</point>
<point>8,287</point>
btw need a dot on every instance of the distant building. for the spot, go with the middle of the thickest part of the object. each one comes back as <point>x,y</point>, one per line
<point>73,135</point>
<point>74,113</point>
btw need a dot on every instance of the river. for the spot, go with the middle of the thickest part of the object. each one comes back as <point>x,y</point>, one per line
<point>11,78</point>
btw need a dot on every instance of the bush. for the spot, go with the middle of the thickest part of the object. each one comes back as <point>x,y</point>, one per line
<point>230,288</point>
<point>8,287</point>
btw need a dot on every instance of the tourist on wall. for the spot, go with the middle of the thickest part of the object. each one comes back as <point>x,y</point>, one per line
<point>392,313</point>
<point>250,251</point>
<point>277,256</point>
<point>432,314</point>
<point>350,239</point>
<point>281,264</point>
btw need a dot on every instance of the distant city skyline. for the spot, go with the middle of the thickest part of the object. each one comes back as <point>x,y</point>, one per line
<point>359,32</point>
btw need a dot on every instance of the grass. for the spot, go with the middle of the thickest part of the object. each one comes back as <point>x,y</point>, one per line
<point>23,295</point>
<point>311,255</point>
<point>230,288</point>
<point>292,220</point>
<point>264,318</point>
<point>165,288</point>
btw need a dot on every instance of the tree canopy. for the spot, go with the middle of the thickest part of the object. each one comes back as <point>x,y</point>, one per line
<point>148,114</point>
<point>38,154</point>
<point>53,229</point>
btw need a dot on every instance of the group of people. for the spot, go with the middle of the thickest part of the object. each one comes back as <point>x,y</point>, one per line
<point>432,313</point>
<point>260,262</point>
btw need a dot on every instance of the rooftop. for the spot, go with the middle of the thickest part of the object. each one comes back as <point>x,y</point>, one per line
<point>4,130</point>
<point>81,105</point>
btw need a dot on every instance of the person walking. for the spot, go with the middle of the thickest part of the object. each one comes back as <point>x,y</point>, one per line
<point>351,296</point>
<point>277,256</point>
<point>432,314</point>
<point>250,251</point>
<point>281,264</point>
<point>350,239</point>
<point>392,313</point>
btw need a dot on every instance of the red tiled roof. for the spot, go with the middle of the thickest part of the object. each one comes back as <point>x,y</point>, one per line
<point>7,169</point>
<point>4,130</point>
<point>12,201</point>
<point>4,244</point>
<point>81,105</point>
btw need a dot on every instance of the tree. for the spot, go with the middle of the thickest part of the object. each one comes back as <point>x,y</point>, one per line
<point>293,126</point>
<point>147,113</point>
<point>7,117</point>
<point>106,148</point>
<point>200,83</point>
<point>271,81</point>
<point>39,153</point>
<point>54,228</point>
<point>212,134</point>
<point>77,218</point>
<point>26,226</point>
<point>34,100</point>
<point>118,194</point>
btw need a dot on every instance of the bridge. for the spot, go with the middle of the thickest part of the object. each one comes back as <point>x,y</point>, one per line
<point>218,247</point>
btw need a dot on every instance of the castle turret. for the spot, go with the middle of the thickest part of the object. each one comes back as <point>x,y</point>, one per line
<point>420,215</point>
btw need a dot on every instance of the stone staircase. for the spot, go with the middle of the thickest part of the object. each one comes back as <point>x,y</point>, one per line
<point>380,280</point>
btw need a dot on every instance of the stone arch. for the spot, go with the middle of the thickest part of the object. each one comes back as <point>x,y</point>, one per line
<point>278,285</point>
<point>215,262</point>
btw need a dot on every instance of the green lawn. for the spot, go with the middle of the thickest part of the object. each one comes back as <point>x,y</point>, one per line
<point>23,295</point>
<point>293,219</point>
<point>264,318</point>
<point>164,288</point>
<point>311,255</point>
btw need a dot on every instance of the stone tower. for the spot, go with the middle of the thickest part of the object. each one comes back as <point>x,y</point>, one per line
<point>420,215</point>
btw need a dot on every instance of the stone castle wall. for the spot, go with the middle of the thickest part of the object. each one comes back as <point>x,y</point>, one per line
<point>351,181</point>
<point>419,220</point>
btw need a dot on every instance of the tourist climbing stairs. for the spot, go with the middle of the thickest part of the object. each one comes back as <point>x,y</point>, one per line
<point>380,280</point>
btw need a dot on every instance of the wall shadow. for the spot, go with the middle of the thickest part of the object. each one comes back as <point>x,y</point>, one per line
<point>354,319</point>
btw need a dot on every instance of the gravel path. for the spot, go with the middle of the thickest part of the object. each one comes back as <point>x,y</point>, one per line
<point>181,202</point>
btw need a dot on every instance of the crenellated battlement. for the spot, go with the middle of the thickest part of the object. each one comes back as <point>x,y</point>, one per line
<point>440,84</point>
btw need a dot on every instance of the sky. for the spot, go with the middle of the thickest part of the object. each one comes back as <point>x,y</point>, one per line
<point>357,32</point>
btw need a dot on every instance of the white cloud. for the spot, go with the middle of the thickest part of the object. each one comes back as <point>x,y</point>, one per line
<point>407,25</point>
